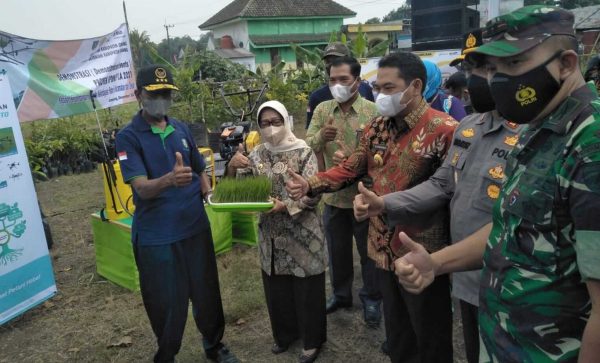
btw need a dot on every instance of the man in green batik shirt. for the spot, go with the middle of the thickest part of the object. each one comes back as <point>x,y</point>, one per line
<point>540,286</point>
<point>335,129</point>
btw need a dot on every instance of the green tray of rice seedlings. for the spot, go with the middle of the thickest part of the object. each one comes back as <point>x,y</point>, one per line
<point>249,194</point>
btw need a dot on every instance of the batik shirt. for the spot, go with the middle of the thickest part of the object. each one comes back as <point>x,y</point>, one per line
<point>545,240</point>
<point>350,127</point>
<point>396,156</point>
<point>291,242</point>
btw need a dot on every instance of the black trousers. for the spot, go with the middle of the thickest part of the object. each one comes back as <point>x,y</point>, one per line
<point>470,322</point>
<point>418,327</point>
<point>296,308</point>
<point>340,226</point>
<point>170,276</point>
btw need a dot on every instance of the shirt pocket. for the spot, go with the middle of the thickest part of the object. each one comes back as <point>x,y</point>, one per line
<point>534,244</point>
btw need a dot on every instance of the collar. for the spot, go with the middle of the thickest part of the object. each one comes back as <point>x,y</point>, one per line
<point>560,120</point>
<point>356,105</point>
<point>415,116</point>
<point>409,121</point>
<point>139,123</point>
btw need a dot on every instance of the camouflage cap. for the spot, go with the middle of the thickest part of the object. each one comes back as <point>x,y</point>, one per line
<point>519,31</point>
<point>337,49</point>
<point>471,41</point>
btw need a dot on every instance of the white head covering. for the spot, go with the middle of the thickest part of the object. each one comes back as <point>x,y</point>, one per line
<point>290,141</point>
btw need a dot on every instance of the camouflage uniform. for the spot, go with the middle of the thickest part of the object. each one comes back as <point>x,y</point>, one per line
<point>543,247</point>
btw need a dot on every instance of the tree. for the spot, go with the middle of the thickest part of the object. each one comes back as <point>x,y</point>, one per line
<point>403,12</point>
<point>373,21</point>
<point>176,44</point>
<point>140,44</point>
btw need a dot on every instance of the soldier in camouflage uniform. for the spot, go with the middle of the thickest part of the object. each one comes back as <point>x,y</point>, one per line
<point>540,288</point>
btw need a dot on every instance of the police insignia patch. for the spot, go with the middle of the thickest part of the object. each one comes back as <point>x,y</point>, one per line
<point>493,191</point>
<point>468,133</point>
<point>378,160</point>
<point>497,172</point>
<point>511,140</point>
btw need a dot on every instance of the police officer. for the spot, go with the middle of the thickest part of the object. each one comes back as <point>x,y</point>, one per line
<point>469,179</point>
<point>171,234</point>
<point>540,284</point>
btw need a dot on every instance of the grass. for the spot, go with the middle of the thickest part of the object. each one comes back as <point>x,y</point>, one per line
<point>90,314</point>
<point>252,189</point>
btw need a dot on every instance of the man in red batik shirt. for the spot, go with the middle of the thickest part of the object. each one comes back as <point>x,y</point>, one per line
<point>397,151</point>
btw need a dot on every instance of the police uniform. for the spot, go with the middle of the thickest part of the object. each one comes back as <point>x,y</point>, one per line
<point>470,179</point>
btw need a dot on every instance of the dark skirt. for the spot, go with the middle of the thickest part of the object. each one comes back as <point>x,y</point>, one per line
<point>297,309</point>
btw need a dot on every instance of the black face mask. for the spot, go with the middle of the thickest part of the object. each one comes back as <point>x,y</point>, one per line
<point>479,92</point>
<point>521,98</point>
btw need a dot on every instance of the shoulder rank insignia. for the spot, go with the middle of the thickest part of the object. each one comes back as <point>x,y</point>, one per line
<point>497,172</point>
<point>455,159</point>
<point>511,140</point>
<point>512,125</point>
<point>493,191</point>
<point>468,133</point>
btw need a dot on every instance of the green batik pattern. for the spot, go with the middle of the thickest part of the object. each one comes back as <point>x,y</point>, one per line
<point>533,303</point>
<point>363,111</point>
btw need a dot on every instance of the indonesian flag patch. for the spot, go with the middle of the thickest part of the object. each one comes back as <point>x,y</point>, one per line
<point>122,155</point>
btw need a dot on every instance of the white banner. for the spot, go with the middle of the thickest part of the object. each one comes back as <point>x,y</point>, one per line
<point>53,78</point>
<point>26,276</point>
<point>440,57</point>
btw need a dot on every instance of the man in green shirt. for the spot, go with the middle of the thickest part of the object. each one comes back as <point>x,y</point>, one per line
<point>335,129</point>
<point>540,283</point>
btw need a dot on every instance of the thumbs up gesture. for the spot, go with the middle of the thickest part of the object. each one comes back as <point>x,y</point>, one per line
<point>296,186</point>
<point>367,204</point>
<point>181,174</point>
<point>239,160</point>
<point>416,270</point>
<point>329,132</point>
<point>341,153</point>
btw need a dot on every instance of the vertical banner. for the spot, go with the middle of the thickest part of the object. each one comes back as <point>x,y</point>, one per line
<point>53,79</point>
<point>26,276</point>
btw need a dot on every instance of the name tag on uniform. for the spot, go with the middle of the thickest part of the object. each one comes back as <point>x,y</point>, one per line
<point>380,147</point>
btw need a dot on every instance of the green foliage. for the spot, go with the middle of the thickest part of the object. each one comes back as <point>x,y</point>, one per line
<point>373,21</point>
<point>253,189</point>
<point>566,4</point>
<point>403,12</point>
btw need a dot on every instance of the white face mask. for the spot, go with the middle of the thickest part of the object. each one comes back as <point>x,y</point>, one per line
<point>389,105</point>
<point>273,134</point>
<point>342,93</point>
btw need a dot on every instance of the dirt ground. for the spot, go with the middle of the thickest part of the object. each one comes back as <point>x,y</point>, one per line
<point>94,320</point>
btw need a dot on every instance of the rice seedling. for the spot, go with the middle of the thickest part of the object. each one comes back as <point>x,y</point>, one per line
<point>252,189</point>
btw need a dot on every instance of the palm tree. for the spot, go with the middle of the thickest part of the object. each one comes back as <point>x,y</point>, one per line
<point>140,44</point>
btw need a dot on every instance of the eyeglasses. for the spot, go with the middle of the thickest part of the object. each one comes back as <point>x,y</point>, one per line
<point>276,121</point>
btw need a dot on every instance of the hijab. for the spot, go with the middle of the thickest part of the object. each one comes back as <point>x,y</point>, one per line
<point>434,80</point>
<point>286,141</point>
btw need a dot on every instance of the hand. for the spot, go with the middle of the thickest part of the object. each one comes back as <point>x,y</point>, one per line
<point>181,174</point>
<point>341,154</point>
<point>297,187</point>
<point>329,132</point>
<point>278,206</point>
<point>416,270</point>
<point>367,204</point>
<point>239,161</point>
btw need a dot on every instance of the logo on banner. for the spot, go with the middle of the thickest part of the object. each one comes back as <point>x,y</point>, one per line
<point>12,226</point>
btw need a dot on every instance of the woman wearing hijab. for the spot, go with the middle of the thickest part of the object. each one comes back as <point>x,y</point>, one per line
<point>292,251</point>
<point>437,98</point>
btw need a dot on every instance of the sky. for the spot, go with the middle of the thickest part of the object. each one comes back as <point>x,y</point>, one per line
<point>78,19</point>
